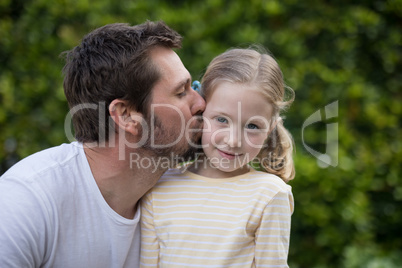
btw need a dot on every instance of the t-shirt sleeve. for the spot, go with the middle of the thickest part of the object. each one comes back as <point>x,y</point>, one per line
<point>23,221</point>
<point>272,236</point>
<point>149,239</point>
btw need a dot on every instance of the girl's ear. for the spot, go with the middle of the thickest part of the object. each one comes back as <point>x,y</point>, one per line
<point>125,117</point>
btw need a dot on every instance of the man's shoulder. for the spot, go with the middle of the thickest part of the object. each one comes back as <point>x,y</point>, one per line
<point>45,178</point>
<point>47,161</point>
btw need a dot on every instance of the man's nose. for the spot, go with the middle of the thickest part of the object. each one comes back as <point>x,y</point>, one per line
<point>198,103</point>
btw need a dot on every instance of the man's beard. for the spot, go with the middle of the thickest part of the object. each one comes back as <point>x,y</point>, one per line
<point>168,146</point>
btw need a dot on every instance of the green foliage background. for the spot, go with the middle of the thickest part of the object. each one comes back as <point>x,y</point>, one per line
<point>345,51</point>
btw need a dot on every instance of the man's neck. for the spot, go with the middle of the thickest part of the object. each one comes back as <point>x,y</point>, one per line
<point>121,185</point>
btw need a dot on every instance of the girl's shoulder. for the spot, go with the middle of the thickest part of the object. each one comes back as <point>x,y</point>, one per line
<point>179,171</point>
<point>169,181</point>
<point>177,174</point>
<point>267,180</point>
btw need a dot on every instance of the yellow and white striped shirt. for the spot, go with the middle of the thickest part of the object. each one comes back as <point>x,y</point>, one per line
<point>193,221</point>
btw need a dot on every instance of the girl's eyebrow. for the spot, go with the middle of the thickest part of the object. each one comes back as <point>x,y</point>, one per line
<point>219,112</point>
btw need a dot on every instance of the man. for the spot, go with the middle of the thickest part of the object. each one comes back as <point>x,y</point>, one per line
<point>75,205</point>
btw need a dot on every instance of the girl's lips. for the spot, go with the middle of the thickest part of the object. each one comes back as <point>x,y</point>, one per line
<point>228,155</point>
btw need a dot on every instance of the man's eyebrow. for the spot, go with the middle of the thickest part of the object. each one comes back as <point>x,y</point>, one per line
<point>181,84</point>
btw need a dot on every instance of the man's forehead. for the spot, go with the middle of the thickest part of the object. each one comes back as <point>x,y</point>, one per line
<point>170,66</point>
<point>164,57</point>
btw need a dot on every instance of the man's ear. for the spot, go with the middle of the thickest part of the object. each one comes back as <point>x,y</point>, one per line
<point>125,117</point>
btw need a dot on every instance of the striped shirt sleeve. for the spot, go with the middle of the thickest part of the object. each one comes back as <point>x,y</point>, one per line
<point>273,234</point>
<point>149,240</point>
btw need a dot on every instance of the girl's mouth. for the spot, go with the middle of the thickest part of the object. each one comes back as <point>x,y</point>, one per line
<point>228,155</point>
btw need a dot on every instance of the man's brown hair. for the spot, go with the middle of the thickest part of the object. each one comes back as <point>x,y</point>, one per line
<point>112,62</point>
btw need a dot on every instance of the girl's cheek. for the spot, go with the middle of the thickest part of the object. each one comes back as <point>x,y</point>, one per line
<point>255,141</point>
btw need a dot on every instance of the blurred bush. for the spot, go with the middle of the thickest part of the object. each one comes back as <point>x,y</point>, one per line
<point>346,215</point>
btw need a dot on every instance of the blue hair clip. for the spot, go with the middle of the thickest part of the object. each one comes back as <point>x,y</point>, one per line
<point>196,86</point>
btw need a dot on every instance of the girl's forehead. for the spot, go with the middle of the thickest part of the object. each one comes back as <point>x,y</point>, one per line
<point>236,91</point>
<point>239,99</point>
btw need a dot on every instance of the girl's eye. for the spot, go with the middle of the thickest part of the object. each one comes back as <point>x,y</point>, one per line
<point>222,120</point>
<point>252,126</point>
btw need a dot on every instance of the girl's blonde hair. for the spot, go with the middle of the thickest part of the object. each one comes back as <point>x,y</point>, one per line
<point>262,72</point>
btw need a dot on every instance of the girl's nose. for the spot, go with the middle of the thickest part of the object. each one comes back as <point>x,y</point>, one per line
<point>233,139</point>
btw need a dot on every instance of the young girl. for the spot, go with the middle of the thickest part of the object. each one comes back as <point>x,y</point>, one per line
<point>221,212</point>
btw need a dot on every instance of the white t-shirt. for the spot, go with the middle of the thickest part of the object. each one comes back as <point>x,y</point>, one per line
<point>52,214</point>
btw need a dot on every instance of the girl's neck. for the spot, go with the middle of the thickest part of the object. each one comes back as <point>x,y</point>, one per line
<point>205,168</point>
